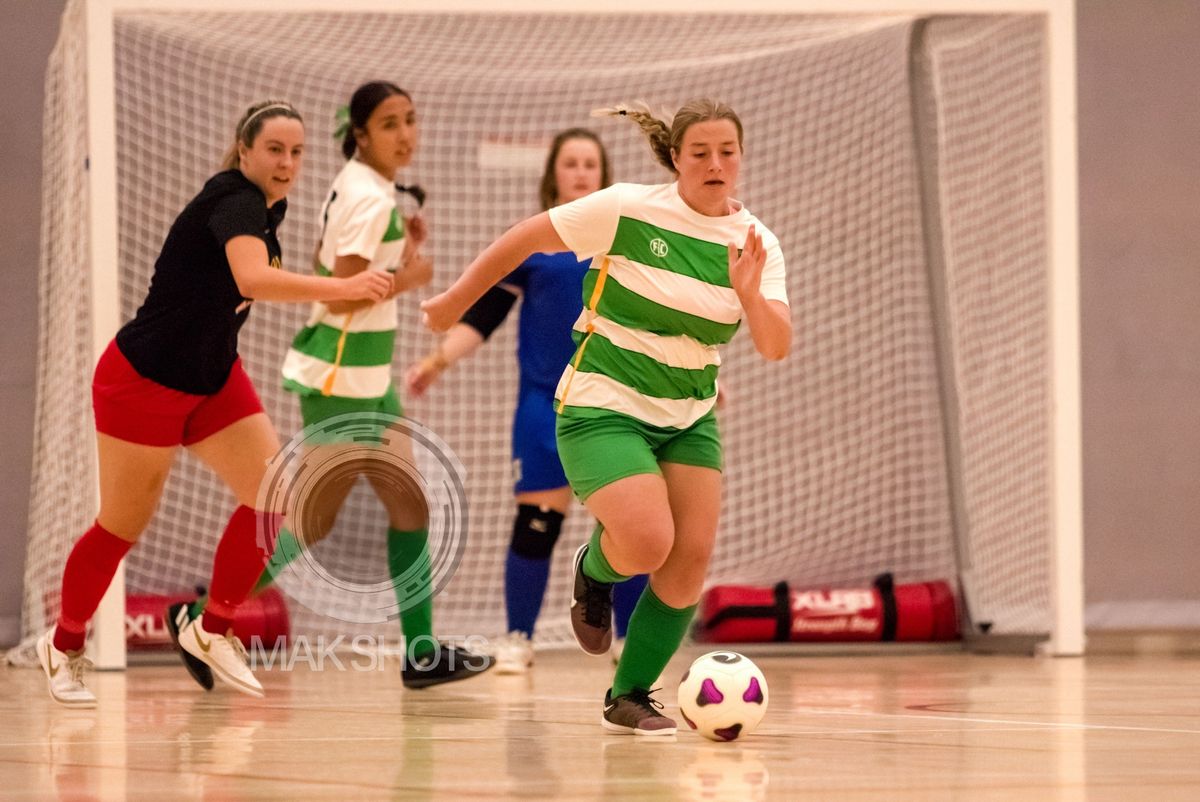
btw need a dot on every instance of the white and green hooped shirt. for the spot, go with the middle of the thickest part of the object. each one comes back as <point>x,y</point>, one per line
<point>350,355</point>
<point>657,302</point>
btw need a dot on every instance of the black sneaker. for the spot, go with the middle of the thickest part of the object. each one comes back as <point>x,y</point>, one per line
<point>591,609</point>
<point>447,664</point>
<point>177,617</point>
<point>636,713</point>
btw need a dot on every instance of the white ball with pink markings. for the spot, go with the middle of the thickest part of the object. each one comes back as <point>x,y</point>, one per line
<point>723,696</point>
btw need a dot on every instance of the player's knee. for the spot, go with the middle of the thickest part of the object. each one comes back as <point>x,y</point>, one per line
<point>645,548</point>
<point>535,531</point>
<point>684,570</point>
<point>691,565</point>
<point>128,518</point>
<point>654,552</point>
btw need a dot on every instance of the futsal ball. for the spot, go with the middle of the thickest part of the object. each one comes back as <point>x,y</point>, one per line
<point>723,696</point>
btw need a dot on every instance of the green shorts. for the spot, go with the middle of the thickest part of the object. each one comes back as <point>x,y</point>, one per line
<point>315,409</point>
<point>597,450</point>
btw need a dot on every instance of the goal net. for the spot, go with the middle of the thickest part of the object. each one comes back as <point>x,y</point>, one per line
<point>901,160</point>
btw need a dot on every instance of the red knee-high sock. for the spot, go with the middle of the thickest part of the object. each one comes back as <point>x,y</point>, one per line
<point>88,573</point>
<point>241,556</point>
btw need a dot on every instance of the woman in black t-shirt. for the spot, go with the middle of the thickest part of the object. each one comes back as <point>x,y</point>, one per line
<point>172,377</point>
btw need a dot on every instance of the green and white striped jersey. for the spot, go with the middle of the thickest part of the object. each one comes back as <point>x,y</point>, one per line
<point>657,302</point>
<point>350,355</point>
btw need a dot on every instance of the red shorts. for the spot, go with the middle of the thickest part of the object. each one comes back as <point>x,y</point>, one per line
<point>131,407</point>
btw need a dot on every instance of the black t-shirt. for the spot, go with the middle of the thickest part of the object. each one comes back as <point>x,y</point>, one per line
<point>184,336</point>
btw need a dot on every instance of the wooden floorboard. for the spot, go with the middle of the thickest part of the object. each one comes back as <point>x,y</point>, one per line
<point>938,726</point>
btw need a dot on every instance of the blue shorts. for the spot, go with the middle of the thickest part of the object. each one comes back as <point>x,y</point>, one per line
<point>535,452</point>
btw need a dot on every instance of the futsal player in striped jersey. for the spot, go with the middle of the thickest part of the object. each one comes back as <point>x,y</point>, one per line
<point>675,270</point>
<point>548,285</point>
<point>172,377</point>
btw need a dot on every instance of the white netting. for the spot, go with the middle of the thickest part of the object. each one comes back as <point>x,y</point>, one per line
<point>837,458</point>
<point>990,166</point>
<point>63,484</point>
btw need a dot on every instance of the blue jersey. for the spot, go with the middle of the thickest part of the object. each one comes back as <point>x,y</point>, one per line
<point>552,298</point>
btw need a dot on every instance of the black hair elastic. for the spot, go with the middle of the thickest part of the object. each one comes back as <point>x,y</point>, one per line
<point>415,191</point>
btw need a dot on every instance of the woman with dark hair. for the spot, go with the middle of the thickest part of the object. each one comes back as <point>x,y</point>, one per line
<point>340,363</point>
<point>548,285</point>
<point>172,377</point>
<point>675,270</point>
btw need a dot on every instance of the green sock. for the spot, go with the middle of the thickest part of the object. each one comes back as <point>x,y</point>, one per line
<point>654,634</point>
<point>596,565</point>
<point>287,549</point>
<point>410,569</point>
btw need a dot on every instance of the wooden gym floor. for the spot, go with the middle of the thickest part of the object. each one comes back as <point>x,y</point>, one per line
<point>935,726</point>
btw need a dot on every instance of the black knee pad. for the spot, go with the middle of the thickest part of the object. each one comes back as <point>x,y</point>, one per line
<point>535,531</point>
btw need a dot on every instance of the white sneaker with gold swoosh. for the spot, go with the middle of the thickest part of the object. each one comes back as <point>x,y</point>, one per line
<point>64,670</point>
<point>224,654</point>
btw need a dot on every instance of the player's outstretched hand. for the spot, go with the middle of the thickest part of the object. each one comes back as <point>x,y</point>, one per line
<point>419,377</point>
<point>440,313</point>
<point>368,285</point>
<point>745,269</point>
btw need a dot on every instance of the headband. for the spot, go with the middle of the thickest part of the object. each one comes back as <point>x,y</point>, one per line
<point>283,106</point>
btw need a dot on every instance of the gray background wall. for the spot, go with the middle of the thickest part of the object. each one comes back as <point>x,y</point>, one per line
<point>1140,244</point>
<point>1139,126</point>
<point>27,34</point>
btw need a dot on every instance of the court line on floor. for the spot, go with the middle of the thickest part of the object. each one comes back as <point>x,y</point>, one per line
<point>79,739</point>
<point>1070,725</point>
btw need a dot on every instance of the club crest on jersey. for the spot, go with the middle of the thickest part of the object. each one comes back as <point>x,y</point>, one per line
<point>658,247</point>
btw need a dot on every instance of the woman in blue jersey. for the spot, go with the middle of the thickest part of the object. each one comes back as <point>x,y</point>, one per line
<point>549,286</point>
<point>341,363</point>
<point>675,269</point>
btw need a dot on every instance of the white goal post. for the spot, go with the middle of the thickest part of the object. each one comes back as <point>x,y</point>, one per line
<point>1061,547</point>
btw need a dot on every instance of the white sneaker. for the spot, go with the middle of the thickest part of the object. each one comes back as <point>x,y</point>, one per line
<point>514,654</point>
<point>614,651</point>
<point>224,654</point>
<point>64,670</point>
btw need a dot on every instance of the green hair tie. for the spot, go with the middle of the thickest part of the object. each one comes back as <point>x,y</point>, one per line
<point>343,122</point>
